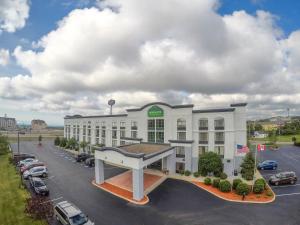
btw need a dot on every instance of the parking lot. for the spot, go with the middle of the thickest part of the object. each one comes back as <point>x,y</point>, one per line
<point>173,202</point>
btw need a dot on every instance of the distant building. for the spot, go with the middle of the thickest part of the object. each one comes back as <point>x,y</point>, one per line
<point>38,125</point>
<point>258,134</point>
<point>7,123</point>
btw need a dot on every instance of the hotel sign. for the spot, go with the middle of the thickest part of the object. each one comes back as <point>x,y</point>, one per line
<point>155,111</point>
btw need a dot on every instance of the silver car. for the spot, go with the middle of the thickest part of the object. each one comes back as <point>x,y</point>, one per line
<point>68,214</point>
<point>39,171</point>
<point>27,161</point>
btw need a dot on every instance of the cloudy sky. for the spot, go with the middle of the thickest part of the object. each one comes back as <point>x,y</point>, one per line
<point>61,57</point>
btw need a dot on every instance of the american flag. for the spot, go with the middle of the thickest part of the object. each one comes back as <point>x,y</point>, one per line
<point>241,149</point>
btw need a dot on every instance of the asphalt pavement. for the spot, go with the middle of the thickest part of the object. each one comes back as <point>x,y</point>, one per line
<point>173,202</point>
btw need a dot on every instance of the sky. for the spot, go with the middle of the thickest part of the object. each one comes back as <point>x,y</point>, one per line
<point>62,57</point>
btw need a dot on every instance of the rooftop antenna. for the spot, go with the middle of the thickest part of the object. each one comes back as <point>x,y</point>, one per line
<point>111,102</point>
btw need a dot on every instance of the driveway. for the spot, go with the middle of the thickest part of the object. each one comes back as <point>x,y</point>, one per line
<point>173,202</point>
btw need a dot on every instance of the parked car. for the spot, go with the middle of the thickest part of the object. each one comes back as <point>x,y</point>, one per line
<point>82,157</point>
<point>26,162</point>
<point>40,171</point>
<point>19,157</point>
<point>38,186</point>
<point>30,166</point>
<point>268,165</point>
<point>67,213</point>
<point>90,162</point>
<point>283,178</point>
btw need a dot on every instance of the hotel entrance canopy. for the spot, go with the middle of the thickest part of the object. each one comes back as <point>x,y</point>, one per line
<point>135,157</point>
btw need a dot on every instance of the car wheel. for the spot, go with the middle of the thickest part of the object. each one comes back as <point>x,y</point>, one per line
<point>276,183</point>
<point>292,182</point>
<point>57,218</point>
<point>274,167</point>
<point>44,175</point>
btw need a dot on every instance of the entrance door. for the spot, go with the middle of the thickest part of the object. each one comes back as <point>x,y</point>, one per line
<point>156,165</point>
<point>180,167</point>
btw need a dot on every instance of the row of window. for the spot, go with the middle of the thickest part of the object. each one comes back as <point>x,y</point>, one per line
<point>180,152</point>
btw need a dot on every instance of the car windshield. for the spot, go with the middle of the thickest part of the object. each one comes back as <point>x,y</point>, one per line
<point>39,184</point>
<point>79,219</point>
<point>278,175</point>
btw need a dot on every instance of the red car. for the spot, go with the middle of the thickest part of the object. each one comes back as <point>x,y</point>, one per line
<point>30,166</point>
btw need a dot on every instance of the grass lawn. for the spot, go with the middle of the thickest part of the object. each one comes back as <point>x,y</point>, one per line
<point>12,198</point>
<point>281,138</point>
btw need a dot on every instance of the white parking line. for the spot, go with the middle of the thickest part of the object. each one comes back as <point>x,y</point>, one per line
<point>296,193</point>
<point>51,177</point>
<point>292,185</point>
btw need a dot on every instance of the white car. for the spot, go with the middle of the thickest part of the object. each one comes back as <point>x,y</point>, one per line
<point>68,214</point>
<point>27,161</point>
<point>39,171</point>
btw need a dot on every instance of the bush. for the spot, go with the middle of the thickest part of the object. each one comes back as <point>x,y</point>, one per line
<point>216,183</point>
<point>57,141</point>
<point>63,142</point>
<point>223,176</point>
<point>225,186</point>
<point>269,193</point>
<point>210,162</point>
<point>181,172</point>
<point>242,188</point>
<point>207,181</point>
<point>3,144</point>
<point>248,166</point>
<point>187,173</point>
<point>235,183</point>
<point>261,181</point>
<point>196,174</point>
<point>203,173</point>
<point>217,173</point>
<point>258,188</point>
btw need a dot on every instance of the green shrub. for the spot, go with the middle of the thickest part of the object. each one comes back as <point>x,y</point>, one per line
<point>207,181</point>
<point>181,172</point>
<point>248,166</point>
<point>242,188</point>
<point>258,188</point>
<point>223,176</point>
<point>269,193</point>
<point>217,173</point>
<point>210,162</point>
<point>235,183</point>
<point>63,142</point>
<point>261,181</point>
<point>216,182</point>
<point>225,186</point>
<point>196,174</point>
<point>187,173</point>
<point>56,141</point>
<point>248,176</point>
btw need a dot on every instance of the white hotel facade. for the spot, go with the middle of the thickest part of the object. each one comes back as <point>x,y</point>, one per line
<point>191,132</point>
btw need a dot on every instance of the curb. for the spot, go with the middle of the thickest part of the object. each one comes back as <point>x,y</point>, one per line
<point>120,196</point>
<point>239,201</point>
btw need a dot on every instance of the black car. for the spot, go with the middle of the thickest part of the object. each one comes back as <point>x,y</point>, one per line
<point>283,178</point>
<point>90,162</point>
<point>38,186</point>
<point>82,157</point>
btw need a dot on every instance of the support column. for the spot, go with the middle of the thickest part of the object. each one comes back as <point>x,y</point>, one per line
<point>188,158</point>
<point>171,163</point>
<point>99,171</point>
<point>138,184</point>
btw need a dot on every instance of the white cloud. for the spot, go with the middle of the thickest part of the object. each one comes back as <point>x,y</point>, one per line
<point>4,57</point>
<point>13,14</point>
<point>141,51</point>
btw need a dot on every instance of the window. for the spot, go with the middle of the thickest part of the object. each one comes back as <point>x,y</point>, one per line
<point>180,153</point>
<point>78,132</point>
<point>114,143</point>
<point>103,132</point>
<point>151,124</point>
<point>219,137</point>
<point>74,131</point>
<point>203,124</point>
<point>181,124</point>
<point>203,138</point>
<point>114,133</point>
<point>219,150</point>
<point>151,136</point>
<point>159,137</point>
<point>181,136</point>
<point>133,125</point>
<point>219,124</point>
<point>122,132</point>
<point>122,124</point>
<point>122,142</point>
<point>202,149</point>
<point>89,130</point>
<point>134,134</point>
<point>97,132</point>
<point>160,124</point>
<point>84,130</point>
<point>114,125</point>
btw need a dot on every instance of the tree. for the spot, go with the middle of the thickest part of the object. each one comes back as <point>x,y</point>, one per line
<point>294,139</point>
<point>83,145</point>
<point>210,162</point>
<point>57,141</point>
<point>3,144</point>
<point>63,142</point>
<point>40,139</point>
<point>248,166</point>
<point>72,143</point>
